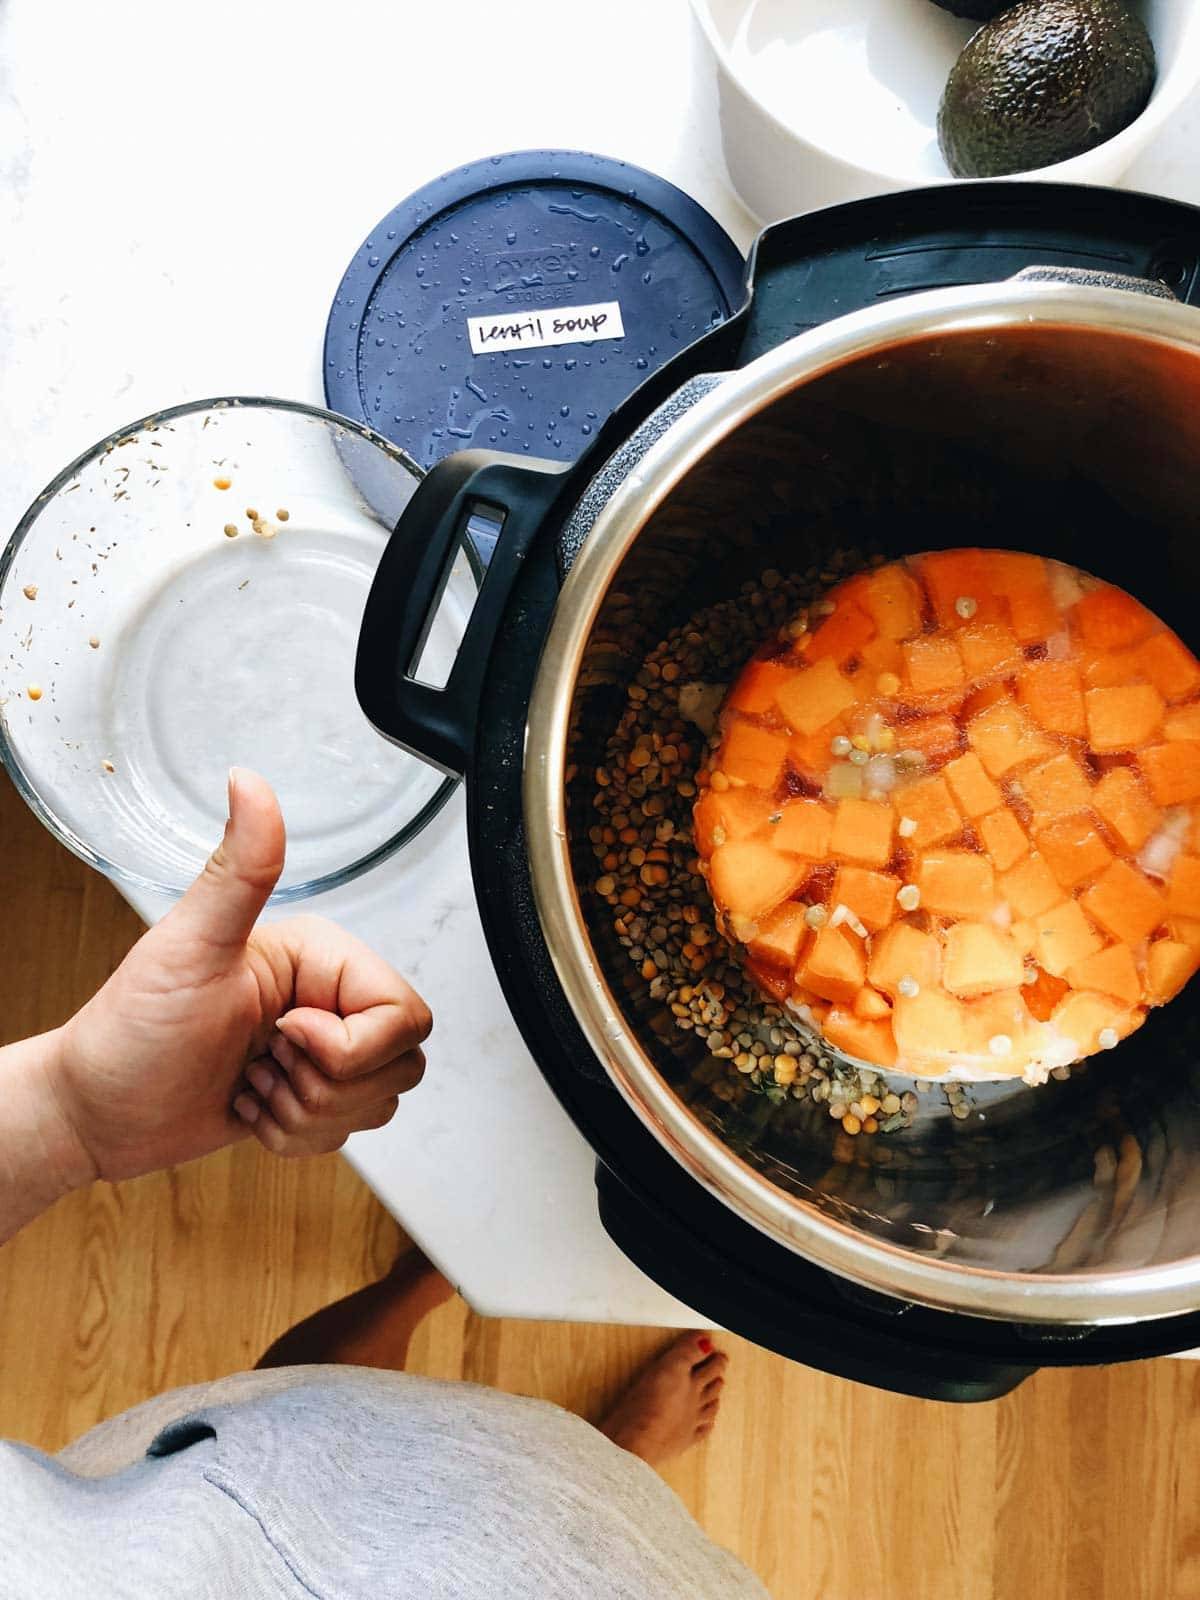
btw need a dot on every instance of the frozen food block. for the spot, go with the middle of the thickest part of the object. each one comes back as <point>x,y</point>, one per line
<point>1073,849</point>
<point>904,952</point>
<point>1125,903</point>
<point>803,829</point>
<point>1003,838</point>
<point>862,832</point>
<point>1109,619</point>
<point>1167,663</point>
<point>988,650</point>
<point>1064,938</point>
<point>957,883</point>
<point>1030,888</point>
<point>841,637</point>
<point>1111,971</point>
<point>929,804</point>
<point>753,755</point>
<point>1121,800</point>
<point>731,814</point>
<point>981,958</point>
<point>971,787</point>
<point>867,1040</point>
<point>1004,738</point>
<point>1083,1017</point>
<point>893,601</point>
<point>750,878</point>
<point>835,965</point>
<point>1169,965</point>
<point>760,681</point>
<point>1052,693</point>
<point>931,1028</point>
<point>1172,771</point>
<point>1055,788</point>
<point>933,665</point>
<point>871,896</point>
<point>1124,718</point>
<point>780,935</point>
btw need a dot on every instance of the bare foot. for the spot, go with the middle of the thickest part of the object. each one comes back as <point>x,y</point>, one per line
<point>673,1404</point>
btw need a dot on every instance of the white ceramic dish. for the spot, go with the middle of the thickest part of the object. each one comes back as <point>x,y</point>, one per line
<point>829,100</point>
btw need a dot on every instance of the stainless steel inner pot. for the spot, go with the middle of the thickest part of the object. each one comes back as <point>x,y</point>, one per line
<point>1035,416</point>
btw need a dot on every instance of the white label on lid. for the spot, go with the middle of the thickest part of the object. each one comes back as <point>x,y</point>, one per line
<point>530,330</point>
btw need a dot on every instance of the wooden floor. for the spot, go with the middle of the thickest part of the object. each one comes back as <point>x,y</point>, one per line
<point>1081,1486</point>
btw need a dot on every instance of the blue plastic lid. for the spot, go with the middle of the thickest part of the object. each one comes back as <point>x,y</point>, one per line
<point>514,303</point>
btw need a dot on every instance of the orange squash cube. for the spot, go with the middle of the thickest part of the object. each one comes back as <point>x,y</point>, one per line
<point>1169,965</point>
<point>1030,888</point>
<point>937,738</point>
<point>1109,619</point>
<point>870,895</point>
<point>1183,723</point>
<point>758,685</point>
<point>753,755</point>
<point>1003,737</point>
<point>932,665</point>
<point>1169,665</point>
<point>1055,789</point>
<point>988,650</point>
<point>803,829</point>
<point>929,805</point>
<point>953,575</point>
<point>1125,904</point>
<point>1064,938</point>
<point>1183,887</point>
<point>991,1014</point>
<point>893,602</point>
<point>1083,1017</point>
<point>1052,693</point>
<point>774,981</point>
<point>749,878</point>
<point>981,958</point>
<point>810,754</point>
<point>1024,935</point>
<point>1003,838</point>
<point>779,938</point>
<point>1123,719</point>
<point>1024,582</point>
<point>871,1005</point>
<point>957,883</point>
<point>1110,971</point>
<point>1073,850</point>
<point>904,952</point>
<point>971,787</point>
<point>1125,808</point>
<point>860,1037</point>
<point>1187,931</point>
<point>862,832</point>
<point>1172,771</point>
<point>842,635</point>
<point>880,656</point>
<point>1108,670</point>
<point>834,966</point>
<point>815,696</point>
<point>929,1027</point>
<point>737,813</point>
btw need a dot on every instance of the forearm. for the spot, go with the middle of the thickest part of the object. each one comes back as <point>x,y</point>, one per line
<point>40,1157</point>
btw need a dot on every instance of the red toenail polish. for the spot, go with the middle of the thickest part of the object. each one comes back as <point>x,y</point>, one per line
<point>705,1344</point>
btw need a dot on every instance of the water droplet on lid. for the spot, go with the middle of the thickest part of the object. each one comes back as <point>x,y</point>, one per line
<point>379,342</point>
<point>641,246</point>
<point>595,250</point>
<point>570,364</point>
<point>510,237</point>
<point>586,428</point>
<point>563,411</point>
<point>646,277</point>
<point>372,261</point>
<point>546,361</point>
<point>420,272</point>
<point>391,233</point>
<point>642,363</point>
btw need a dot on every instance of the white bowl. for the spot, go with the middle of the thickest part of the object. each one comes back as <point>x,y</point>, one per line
<point>830,100</point>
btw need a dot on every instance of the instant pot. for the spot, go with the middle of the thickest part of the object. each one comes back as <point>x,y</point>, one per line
<point>997,364</point>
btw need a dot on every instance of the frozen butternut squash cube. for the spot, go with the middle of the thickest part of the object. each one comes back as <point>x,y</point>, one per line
<point>1172,771</point>
<point>971,787</point>
<point>1003,1013</point>
<point>1003,737</point>
<point>774,981</point>
<point>1109,619</point>
<point>930,1026</point>
<point>1003,838</point>
<point>1024,582</point>
<point>732,814</point>
<point>937,737</point>
<point>857,1036</point>
<point>932,665</point>
<point>842,635</point>
<point>749,878</point>
<point>1024,935</point>
<point>953,575</point>
<point>1121,801</point>
<point>980,958</point>
<point>803,829</point>
<point>1030,888</point>
<point>1169,665</point>
<point>758,685</point>
<point>1183,723</point>
<point>1055,789</point>
<point>1064,938</point>
<point>880,656</point>
<point>1124,718</point>
<point>1052,693</point>
<point>871,1005</point>
<point>753,755</point>
<point>870,895</point>
<point>1083,1017</point>
<point>834,966</point>
<point>904,952</point>
<point>988,650</point>
<point>780,936</point>
<point>929,805</point>
<point>1112,971</point>
<point>1125,904</point>
<point>1169,965</point>
<point>1073,850</point>
<point>893,602</point>
<point>815,696</point>
<point>862,832</point>
<point>1183,887</point>
<point>957,883</point>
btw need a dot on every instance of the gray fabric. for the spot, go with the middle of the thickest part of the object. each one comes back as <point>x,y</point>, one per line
<point>346,1484</point>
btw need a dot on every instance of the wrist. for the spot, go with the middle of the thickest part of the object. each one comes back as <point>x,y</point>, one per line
<point>42,1157</point>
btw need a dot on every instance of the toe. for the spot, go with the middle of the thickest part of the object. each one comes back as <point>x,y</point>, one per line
<point>710,1367</point>
<point>712,1388</point>
<point>709,1408</point>
<point>689,1349</point>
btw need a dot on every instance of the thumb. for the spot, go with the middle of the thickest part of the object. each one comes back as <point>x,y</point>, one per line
<point>225,901</point>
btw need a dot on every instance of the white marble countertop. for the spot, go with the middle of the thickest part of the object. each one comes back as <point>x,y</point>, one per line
<point>180,191</point>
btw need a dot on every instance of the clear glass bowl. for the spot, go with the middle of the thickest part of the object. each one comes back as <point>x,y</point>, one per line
<point>153,634</point>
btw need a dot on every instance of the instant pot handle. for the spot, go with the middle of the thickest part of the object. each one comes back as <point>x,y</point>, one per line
<point>511,493</point>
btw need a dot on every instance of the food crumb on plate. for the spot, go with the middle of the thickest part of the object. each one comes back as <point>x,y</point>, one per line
<point>107,765</point>
<point>230,530</point>
<point>34,691</point>
<point>222,483</point>
<point>30,591</point>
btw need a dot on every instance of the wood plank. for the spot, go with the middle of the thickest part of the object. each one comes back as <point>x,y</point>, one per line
<point>1077,1487</point>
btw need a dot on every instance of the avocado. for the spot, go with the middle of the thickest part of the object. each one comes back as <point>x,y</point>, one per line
<point>1045,81</point>
<point>975,10</point>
